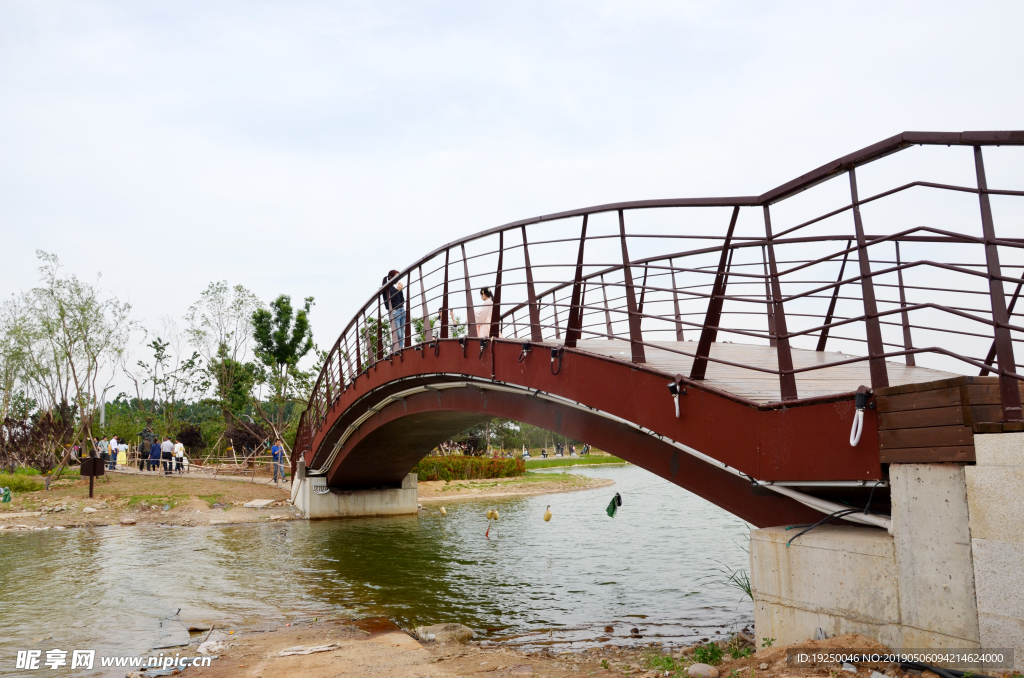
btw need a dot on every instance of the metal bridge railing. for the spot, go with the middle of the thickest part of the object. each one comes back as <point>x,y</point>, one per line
<point>914,272</point>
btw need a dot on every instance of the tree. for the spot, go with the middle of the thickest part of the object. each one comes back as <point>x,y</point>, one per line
<point>283,337</point>
<point>220,329</point>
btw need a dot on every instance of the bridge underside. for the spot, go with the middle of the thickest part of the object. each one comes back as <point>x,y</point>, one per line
<point>378,428</point>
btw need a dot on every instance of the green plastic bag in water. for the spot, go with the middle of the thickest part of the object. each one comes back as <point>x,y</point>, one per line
<point>5,495</point>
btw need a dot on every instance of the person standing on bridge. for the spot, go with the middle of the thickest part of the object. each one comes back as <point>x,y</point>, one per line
<point>483,314</point>
<point>394,300</point>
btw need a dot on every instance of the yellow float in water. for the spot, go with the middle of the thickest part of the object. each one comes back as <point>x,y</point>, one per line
<point>444,511</point>
<point>494,514</point>
<point>547,515</point>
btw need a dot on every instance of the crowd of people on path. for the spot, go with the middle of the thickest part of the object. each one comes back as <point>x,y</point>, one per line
<point>157,454</point>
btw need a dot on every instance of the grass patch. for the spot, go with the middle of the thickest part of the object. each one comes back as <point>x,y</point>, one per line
<point>708,654</point>
<point>20,482</point>
<point>210,499</point>
<point>156,500</point>
<point>572,461</point>
<point>658,661</point>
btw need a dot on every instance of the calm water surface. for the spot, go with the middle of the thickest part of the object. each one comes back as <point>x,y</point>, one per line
<point>654,566</point>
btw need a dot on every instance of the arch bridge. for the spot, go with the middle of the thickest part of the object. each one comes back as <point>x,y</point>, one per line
<point>719,343</point>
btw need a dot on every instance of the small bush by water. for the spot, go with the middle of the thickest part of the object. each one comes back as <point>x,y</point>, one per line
<point>20,482</point>
<point>468,468</point>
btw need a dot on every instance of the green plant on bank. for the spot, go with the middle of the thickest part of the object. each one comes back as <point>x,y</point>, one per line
<point>467,468</point>
<point>605,664</point>
<point>767,642</point>
<point>20,482</point>
<point>659,661</point>
<point>740,653</point>
<point>572,461</point>
<point>210,499</point>
<point>709,653</point>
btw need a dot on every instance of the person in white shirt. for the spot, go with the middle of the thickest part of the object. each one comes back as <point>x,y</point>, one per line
<point>179,455</point>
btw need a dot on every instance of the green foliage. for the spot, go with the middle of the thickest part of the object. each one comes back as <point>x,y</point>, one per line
<point>767,642</point>
<point>663,662</point>
<point>467,468</point>
<point>20,482</point>
<point>283,337</point>
<point>572,461</point>
<point>738,653</point>
<point>709,653</point>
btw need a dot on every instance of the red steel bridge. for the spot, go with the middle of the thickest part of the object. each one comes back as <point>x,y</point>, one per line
<point>717,342</point>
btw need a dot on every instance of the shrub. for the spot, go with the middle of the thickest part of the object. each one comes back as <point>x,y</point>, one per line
<point>708,654</point>
<point>20,482</point>
<point>467,468</point>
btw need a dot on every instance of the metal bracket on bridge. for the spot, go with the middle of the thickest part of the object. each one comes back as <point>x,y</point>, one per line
<point>527,348</point>
<point>462,343</point>
<point>483,347</point>
<point>676,389</point>
<point>436,345</point>
<point>556,353</point>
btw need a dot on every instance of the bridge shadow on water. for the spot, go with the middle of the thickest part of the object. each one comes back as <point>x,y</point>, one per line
<point>654,566</point>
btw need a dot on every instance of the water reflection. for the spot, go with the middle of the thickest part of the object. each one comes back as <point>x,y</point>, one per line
<point>652,566</point>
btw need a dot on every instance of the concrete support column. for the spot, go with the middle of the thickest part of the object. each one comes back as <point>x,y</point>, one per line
<point>912,589</point>
<point>316,501</point>
<point>934,563</point>
<point>995,493</point>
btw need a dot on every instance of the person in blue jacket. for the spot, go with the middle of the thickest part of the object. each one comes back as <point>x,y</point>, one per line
<point>154,455</point>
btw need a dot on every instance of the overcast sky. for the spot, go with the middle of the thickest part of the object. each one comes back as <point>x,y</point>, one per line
<point>306,147</point>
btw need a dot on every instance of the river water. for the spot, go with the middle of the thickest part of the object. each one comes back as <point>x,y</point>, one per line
<point>655,566</point>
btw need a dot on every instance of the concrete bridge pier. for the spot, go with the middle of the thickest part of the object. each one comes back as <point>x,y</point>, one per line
<point>951,574</point>
<point>317,502</point>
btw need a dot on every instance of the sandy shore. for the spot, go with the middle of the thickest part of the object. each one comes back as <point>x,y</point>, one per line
<point>376,647</point>
<point>128,499</point>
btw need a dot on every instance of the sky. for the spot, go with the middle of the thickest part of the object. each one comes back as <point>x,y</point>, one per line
<point>306,147</point>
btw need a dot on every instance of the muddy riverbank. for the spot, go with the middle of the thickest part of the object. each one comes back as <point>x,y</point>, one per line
<point>191,499</point>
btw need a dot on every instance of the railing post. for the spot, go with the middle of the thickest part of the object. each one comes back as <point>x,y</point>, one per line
<point>772,334</point>
<point>494,329</point>
<point>787,380</point>
<point>991,357</point>
<point>574,330</point>
<point>908,345</point>
<point>636,340</point>
<point>713,317</point>
<point>876,349</point>
<point>348,356</point>
<point>823,337</point>
<point>531,296</point>
<point>380,334</point>
<point>428,333</point>
<point>359,356</point>
<point>607,311</point>
<point>675,302</point>
<point>470,318</point>
<point>444,300</point>
<point>1009,389</point>
<point>554,309</point>
<point>643,293</point>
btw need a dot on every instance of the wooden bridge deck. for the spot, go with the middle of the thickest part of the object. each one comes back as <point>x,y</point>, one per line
<point>763,387</point>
